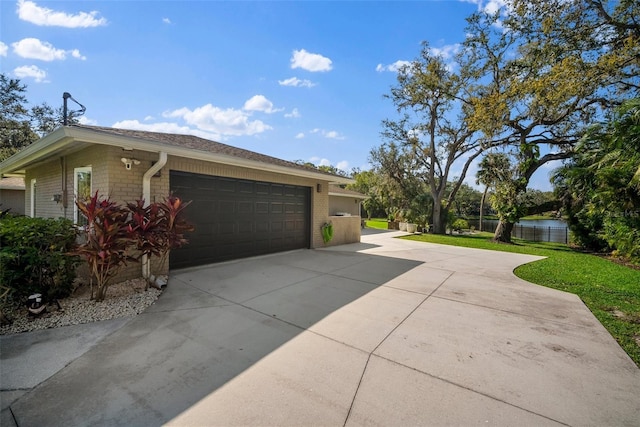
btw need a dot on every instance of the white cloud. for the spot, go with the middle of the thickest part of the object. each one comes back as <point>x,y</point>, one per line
<point>87,121</point>
<point>225,122</point>
<point>320,161</point>
<point>494,6</point>
<point>31,71</point>
<point>33,48</point>
<point>446,52</point>
<point>294,114</point>
<point>300,135</point>
<point>331,134</point>
<point>3,49</point>
<point>76,54</point>
<point>148,118</point>
<point>29,11</point>
<point>260,103</point>
<point>166,21</point>
<point>395,67</point>
<point>296,82</point>
<point>165,127</point>
<point>343,165</point>
<point>310,61</point>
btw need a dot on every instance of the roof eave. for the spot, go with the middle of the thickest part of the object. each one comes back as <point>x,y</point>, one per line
<point>49,144</point>
<point>351,196</point>
<point>63,136</point>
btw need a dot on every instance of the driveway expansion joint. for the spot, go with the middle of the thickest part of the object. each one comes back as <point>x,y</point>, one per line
<point>515,313</point>
<point>372,352</point>
<point>497,399</point>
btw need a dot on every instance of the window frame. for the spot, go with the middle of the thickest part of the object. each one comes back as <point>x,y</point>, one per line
<point>76,171</point>
<point>32,189</point>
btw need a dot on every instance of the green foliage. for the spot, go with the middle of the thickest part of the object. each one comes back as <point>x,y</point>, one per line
<point>467,201</point>
<point>460,224</point>
<point>34,257</point>
<point>19,124</point>
<point>506,202</point>
<point>371,184</point>
<point>428,138</point>
<point>327,232</point>
<point>600,187</point>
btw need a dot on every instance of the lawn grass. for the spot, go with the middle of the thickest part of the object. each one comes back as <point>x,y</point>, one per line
<point>380,223</point>
<point>611,291</point>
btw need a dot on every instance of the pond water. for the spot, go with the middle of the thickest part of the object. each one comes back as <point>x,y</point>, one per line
<point>543,223</point>
<point>545,230</point>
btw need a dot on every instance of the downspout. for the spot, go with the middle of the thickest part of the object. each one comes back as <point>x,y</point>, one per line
<point>146,196</point>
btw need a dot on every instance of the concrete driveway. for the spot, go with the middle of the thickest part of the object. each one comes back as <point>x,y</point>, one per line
<point>384,332</point>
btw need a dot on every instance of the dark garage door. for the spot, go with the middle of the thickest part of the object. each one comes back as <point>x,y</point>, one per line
<point>236,218</point>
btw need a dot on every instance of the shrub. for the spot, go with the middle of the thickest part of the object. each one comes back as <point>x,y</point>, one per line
<point>108,239</point>
<point>113,232</point>
<point>460,224</point>
<point>34,257</point>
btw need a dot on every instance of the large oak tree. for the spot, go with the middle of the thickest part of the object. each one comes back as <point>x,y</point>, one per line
<point>432,136</point>
<point>551,67</point>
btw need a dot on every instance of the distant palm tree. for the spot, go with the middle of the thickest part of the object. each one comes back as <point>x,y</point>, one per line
<point>493,168</point>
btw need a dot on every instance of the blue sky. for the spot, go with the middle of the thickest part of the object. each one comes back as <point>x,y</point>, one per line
<point>299,80</point>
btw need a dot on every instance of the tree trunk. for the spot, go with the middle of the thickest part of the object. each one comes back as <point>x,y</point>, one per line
<point>484,196</point>
<point>439,219</point>
<point>503,232</point>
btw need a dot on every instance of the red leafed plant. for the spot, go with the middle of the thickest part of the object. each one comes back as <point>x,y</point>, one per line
<point>113,231</point>
<point>108,238</point>
<point>147,226</point>
<point>174,226</point>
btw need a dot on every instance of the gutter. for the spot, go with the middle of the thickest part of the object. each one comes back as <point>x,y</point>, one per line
<point>146,196</point>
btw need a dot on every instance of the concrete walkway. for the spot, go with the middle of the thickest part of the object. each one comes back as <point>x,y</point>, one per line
<point>384,332</point>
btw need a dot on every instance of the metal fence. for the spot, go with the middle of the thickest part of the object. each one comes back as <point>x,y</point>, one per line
<point>534,233</point>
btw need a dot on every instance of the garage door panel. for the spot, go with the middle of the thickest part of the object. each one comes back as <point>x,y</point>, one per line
<point>239,218</point>
<point>245,208</point>
<point>245,187</point>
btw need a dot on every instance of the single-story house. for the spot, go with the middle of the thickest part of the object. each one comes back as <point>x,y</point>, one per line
<point>12,195</point>
<point>244,203</point>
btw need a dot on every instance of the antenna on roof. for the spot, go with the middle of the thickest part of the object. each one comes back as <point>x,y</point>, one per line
<point>66,114</point>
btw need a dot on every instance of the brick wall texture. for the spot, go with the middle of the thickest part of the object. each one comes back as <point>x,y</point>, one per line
<point>110,177</point>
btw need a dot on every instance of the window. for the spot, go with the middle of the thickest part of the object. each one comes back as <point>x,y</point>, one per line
<point>81,191</point>
<point>33,198</point>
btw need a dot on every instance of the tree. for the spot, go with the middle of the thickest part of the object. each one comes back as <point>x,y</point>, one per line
<point>369,183</point>
<point>432,133</point>
<point>570,64</point>
<point>601,185</point>
<point>467,202</point>
<point>45,119</point>
<point>396,185</point>
<point>20,125</point>
<point>15,126</point>
<point>493,169</point>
